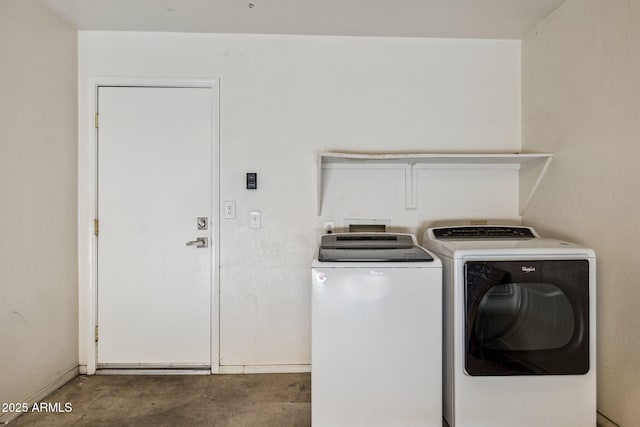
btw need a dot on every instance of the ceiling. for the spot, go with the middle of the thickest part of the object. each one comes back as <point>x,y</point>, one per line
<point>485,19</point>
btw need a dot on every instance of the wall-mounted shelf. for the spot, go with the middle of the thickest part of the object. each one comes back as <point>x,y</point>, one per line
<point>532,167</point>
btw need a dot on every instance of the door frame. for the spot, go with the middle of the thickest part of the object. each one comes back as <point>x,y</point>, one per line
<point>87,210</point>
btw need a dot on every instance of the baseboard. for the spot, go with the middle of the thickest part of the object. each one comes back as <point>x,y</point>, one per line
<point>124,371</point>
<point>603,421</point>
<point>264,369</point>
<point>228,369</point>
<point>41,393</point>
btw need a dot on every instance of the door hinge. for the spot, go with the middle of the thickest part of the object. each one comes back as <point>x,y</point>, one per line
<point>96,226</point>
<point>97,119</point>
<point>96,333</point>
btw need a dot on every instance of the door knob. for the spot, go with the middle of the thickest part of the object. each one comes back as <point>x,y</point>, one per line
<point>200,242</point>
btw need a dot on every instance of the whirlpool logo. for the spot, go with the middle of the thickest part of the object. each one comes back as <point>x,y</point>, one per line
<point>526,269</point>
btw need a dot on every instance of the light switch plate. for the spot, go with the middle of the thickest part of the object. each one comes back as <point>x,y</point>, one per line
<point>254,219</point>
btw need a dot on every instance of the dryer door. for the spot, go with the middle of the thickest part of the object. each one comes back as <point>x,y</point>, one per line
<point>527,317</point>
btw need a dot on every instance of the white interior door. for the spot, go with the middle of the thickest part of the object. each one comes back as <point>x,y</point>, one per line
<point>154,183</point>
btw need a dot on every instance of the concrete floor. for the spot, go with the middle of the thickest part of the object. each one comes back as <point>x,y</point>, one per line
<point>265,400</point>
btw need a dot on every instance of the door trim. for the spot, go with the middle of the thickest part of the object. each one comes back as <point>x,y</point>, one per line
<point>87,210</point>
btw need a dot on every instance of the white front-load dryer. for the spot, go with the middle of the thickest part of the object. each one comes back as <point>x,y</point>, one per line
<point>519,328</point>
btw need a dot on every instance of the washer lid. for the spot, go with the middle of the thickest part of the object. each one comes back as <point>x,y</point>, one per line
<point>374,247</point>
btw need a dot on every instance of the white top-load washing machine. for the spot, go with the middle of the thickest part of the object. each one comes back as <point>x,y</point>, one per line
<point>519,328</point>
<point>376,332</point>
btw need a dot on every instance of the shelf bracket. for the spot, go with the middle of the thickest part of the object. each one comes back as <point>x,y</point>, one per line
<point>531,174</point>
<point>411,186</point>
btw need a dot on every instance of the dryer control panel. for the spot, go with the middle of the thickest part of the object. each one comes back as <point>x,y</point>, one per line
<point>483,232</point>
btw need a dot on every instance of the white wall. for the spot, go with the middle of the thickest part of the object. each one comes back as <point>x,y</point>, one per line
<point>581,100</point>
<point>284,99</point>
<point>38,240</point>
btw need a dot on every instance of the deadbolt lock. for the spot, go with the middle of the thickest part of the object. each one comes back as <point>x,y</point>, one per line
<point>203,223</point>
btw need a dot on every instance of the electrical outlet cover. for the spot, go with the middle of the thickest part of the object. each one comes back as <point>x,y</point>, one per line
<point>229,209</point>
